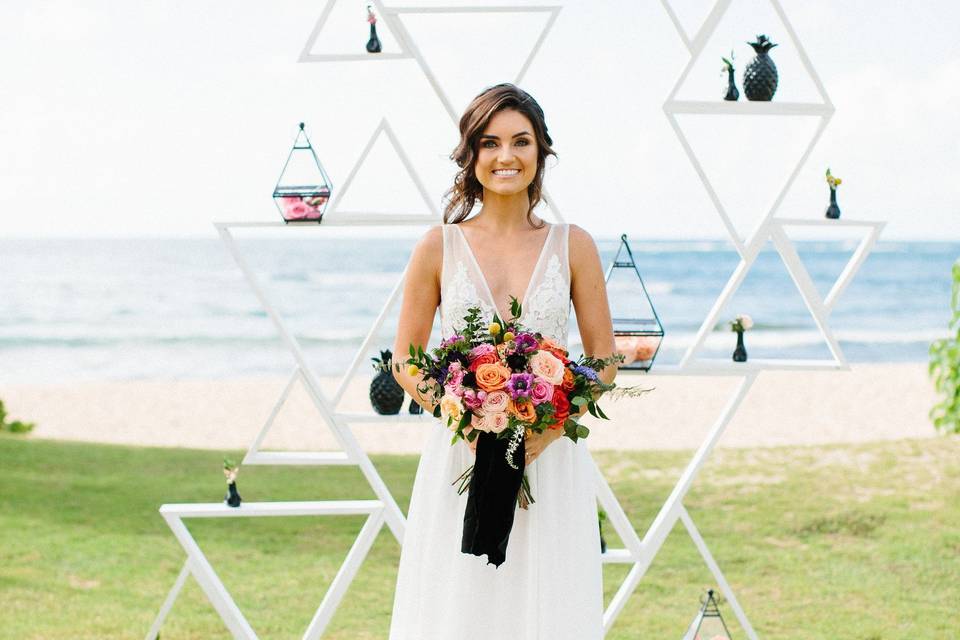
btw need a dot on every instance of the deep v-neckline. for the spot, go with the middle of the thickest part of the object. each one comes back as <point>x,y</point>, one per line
<point>483,278</point>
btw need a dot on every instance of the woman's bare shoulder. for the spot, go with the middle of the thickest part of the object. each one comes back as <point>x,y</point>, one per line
<point>582,245</point>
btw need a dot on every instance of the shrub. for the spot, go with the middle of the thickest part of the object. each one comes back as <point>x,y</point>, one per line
<point>945,366</point>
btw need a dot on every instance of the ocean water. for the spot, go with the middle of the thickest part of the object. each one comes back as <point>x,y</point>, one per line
<point>122,309</point>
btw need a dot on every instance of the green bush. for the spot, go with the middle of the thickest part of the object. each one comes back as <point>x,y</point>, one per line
<point>16,426</point>
<point>945,366</point>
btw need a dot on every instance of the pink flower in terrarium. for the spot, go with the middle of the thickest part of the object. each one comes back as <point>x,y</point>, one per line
<point>286,201</point>
<point>298,210</point>
<point>645,348</point>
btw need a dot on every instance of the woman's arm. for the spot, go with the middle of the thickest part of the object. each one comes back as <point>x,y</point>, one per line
<point>421,297</point>
<point>588,289</point>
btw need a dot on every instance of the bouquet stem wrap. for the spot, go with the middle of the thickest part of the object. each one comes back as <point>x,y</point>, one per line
<point>492,499</point>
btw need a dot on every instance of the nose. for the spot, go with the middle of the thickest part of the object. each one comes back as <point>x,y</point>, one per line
<point>506,153</point>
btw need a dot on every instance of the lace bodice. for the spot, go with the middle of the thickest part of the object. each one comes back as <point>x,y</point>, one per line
<point>545,304</point>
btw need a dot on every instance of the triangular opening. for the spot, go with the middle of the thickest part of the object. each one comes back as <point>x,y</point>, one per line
<point>783,326</point>
<point>741,163</point>
<point>689,13</point>
<point>668,598</point>
<point>740,24</point>
<point>329,289</point>
<point>465,61</point>
<point>295,425</point>
<point>383,185</point>
<point>342,31</point>
<point>192,615</point>
<point>277,569</point>
<point>826,250</point>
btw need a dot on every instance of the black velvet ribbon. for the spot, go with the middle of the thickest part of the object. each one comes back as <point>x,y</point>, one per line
<point>492,498</point>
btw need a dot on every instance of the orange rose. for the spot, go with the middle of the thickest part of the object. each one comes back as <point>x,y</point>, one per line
<point>486,358</point>
<point>568,379</point>
<point>492,376</point>
<point>549,345</point>
<point>523,410</point>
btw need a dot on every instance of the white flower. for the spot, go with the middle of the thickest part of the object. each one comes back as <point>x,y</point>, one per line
<point>745,321</point>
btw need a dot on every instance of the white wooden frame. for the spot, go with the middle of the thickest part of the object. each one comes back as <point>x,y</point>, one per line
<point>199,567</point>
<point>769,228</point>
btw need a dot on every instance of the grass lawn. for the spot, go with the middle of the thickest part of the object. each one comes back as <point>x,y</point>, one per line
<point>858,542</point>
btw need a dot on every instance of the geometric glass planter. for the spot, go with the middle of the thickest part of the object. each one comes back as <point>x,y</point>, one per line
<point>303,190</point>
<point>708,623</point>
<point>636,327</point>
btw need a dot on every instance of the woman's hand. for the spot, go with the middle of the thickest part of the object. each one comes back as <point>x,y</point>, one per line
<point>535,443</point>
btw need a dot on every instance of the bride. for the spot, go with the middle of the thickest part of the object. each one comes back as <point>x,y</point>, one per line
<point>550,585</point>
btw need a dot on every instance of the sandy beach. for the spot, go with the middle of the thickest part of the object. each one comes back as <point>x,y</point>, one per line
<point>869,402</point>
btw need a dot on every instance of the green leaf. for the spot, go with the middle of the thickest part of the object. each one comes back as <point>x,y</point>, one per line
<point>579,401</point>
<point>582,431</point>
<point>601,413</point>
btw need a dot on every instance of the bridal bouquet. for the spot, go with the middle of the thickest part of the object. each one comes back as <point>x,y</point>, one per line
<point>501,383</point>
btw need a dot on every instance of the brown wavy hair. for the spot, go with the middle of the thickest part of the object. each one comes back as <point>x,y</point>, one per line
<point>466,189</point>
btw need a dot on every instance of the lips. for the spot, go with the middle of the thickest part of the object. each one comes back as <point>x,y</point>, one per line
<point>506,173</point>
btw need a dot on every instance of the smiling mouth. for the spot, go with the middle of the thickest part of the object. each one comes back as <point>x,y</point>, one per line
<point>506,173</point>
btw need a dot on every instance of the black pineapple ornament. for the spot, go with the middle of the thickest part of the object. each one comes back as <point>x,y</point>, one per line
<point>386,394</point>
<point>760,76</point>
<point>373,44</point>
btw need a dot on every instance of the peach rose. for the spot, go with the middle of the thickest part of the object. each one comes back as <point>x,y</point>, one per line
<point>523,410</point>
<point>479,422</point>
<point>492,376</point>
<point>497,421</point>
<point>496,401</point>
<point>544,364</point>
<point>451,409</point>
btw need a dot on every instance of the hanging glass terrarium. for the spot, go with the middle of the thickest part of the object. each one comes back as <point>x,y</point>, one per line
<point>708,623</point>
<point>636,326</point>
<point>303,190</point>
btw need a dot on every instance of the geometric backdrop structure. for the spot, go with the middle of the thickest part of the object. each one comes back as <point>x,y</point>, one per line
<point>638,552</point>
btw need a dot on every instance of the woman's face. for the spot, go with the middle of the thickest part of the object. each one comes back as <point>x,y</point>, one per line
<point>507,156</point>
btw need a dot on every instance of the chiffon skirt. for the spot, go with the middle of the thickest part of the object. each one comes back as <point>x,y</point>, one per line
<point>549,588</point>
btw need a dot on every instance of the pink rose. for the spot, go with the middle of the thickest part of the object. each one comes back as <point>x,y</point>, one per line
<point>300,210</point>
<point>473,399</point>
<point>496,402</point>
<point>541,391</point>
<point>544,364</point>
<point>481,349</point>
<point>497,422</point>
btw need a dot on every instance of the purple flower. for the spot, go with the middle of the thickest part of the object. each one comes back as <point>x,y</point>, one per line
<point>519,385</point>
<point>451,340</point>
<point>525,343</point>
<point>586,372</point>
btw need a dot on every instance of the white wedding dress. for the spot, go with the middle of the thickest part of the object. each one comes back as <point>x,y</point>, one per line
<point>550,586</point>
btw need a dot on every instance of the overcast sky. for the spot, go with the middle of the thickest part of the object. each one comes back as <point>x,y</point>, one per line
<point>155,118</point>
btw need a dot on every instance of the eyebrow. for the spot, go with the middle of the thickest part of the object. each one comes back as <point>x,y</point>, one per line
<point>522,133</point>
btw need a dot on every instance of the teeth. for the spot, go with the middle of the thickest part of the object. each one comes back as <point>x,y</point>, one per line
<point>506,172</point>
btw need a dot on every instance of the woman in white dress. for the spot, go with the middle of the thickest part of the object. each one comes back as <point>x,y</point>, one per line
<point>550,585</point>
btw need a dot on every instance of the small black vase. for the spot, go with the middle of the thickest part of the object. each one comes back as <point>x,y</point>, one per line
<point>603,543</point>
<point>733,93</point>
<point>232,498</point>
<point>833,211</point>
<point>740,353</point>
<point>373,44</point>
<point>414,407</point>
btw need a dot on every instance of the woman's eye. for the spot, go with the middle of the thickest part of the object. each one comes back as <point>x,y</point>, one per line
<point>487,143</point>
<point>523,141</point>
